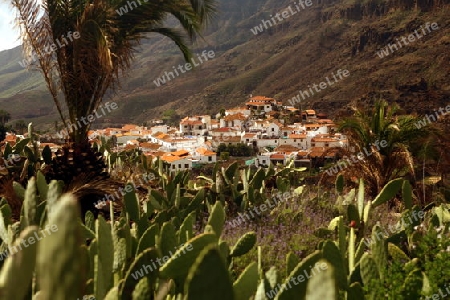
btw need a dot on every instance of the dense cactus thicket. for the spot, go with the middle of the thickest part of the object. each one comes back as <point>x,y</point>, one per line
<point>160,248</point>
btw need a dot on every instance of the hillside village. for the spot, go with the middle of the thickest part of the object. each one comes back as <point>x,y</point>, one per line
<point>277,133</point>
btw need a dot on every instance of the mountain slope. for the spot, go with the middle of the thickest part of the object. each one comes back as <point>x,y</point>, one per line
<point>300,51</point>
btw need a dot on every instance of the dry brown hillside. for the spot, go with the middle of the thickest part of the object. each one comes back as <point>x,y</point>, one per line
<point>302,50</point>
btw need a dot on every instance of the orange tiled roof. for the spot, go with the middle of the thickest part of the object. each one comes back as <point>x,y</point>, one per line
<point>170,158</point>
<point>323,140</point>
<point>206,152</point>
<point>233,117</point>
<point>180,153</point>
<point>10,137</point>
<point>191,122</point>
<point>130,147</point>
<point>223,129</point>
<point>325,121</point>
<point>302,153</point>
<point>52,145</point>
<point>129,127</point>
<point>150,145</point>
<point>297,136</point>
<point>256,103</point>
<point>262,99</point>
<point>286,148</point>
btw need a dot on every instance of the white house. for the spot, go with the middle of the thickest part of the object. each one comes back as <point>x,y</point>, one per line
<point>238,110</point>
<point>261,104</point>
<point>176,163</point>
<point>196,125</point>
<point>273,129</point>
<point>237,121</point>
<point>296,140</point>
<point>262,160</point>
<point>205,156</point>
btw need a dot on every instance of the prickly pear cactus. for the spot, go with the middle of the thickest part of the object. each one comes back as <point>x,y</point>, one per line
<point>61,267</point>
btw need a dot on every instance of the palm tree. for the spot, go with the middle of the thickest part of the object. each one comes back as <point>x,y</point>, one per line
<point>81,47</point>
<point>4,117</point>
<point>20,126</point>
<point>93,45</point>
<point>390,159</point>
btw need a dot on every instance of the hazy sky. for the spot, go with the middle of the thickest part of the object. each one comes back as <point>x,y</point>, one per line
<point>8,34</point>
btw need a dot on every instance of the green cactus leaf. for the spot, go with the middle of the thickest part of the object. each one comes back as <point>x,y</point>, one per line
<point>225,251</point>
<point>244,244</point>
<point>131,203</point>
<point>19,190</point>
<point>397,254</point>
<point>217,218</point>
<point>407,194</point>
<point>177,195</point>
<point>5,221</point>
<point>339,184</point>
<point>388,192</point>
<point>195,203</point>
<point>30,154</point>
<point>355,275</point>
<point>231,172</point>
<point>379,250</point>
<point>369,269</point>
<point>442,214</point>
<point>168,239</point>
<point>41,213</point>
<point>42,185</point>
<point>177,267</point>
<point>17,272</point>
<point>361,198</point>
<point>87,233</point>
<point>258,179</point>
<point>359,251</point>
<point>355,292</point>
<point>412,286</point>
<point>247,283</point>
<point>367,209</point>
<point>342,237</point>
<point>349,197</point>
<point>60,255</point>
<point>18,148</point>
<point>272,277</point>
<point>289,291</point>
<point>186,229</point>
<point>148,239</point>
<point>54,191</point>
<point>93,251</point>
<point>208,277</point>
<point>120,254</point>
<point>332,254</point>
<point>47,155</point>
<point>141,226</point>
<point>353,215</point>
<point>351,249</point>
<point>143,290</point>
<point>7,151</point>
<point>143,266</point>
<point>89,220</point>
<point>105,259</point>
<point>322,285</point>
<point>292,261</point>
<point>261,291</point>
